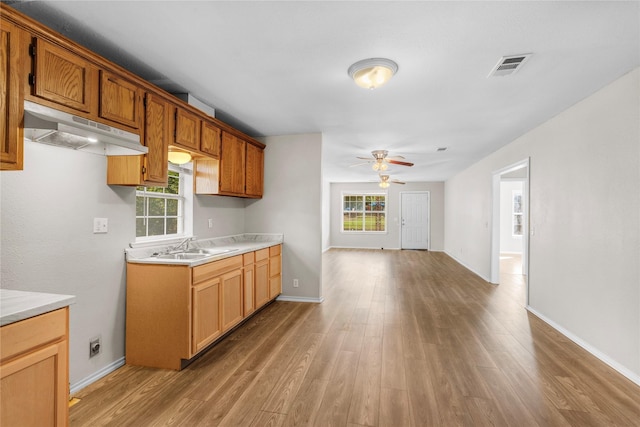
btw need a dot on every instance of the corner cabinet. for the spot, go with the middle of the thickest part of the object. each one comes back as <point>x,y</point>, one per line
<point>34,371</point>
<point>174,312</point>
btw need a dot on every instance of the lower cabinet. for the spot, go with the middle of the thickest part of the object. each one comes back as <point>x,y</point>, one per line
<point>174,311</point>
<point>34,372</point>
<point>206,314</point>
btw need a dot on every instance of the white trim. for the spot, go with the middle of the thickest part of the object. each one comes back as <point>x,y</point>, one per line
<point>585,345</point>
<point>467,267</point>
<point>300,299</point>
<point>74,388</point>
<point>363,247</point>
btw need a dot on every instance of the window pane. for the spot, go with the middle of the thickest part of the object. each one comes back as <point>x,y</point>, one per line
<point>139,206</point>
<point>352,221</point>
<point>174,183</point>
<point>141,227</point>
<point>156,206</point>
<point>172,225</point>
<point>155,190</point>
<point>156,226</point>
<point>374,222</point>
<point>172,207</point>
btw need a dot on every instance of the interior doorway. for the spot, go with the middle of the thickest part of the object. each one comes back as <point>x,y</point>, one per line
<point>518,221</point>
<point>414,219</point>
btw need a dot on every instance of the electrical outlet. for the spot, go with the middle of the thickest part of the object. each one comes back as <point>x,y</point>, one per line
<point>100,225</point>
<point>210,222</point>
<point>295,283</point>
<point>94,347</point>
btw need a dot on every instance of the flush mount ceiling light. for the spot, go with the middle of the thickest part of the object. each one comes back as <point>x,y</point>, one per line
<point>372,73</point>
<point>178,157</point>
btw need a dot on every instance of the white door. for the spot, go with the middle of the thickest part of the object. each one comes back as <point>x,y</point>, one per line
<point>414,221</point>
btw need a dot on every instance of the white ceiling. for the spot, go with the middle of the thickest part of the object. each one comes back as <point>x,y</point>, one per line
<point>275,68</point>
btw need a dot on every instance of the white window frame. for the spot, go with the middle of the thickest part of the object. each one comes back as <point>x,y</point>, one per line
<point>515,214</point>
<point>185,207</point>
<point>364,194</point>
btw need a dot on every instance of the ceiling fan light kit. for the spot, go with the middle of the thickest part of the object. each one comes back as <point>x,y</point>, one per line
<point>373,72</point>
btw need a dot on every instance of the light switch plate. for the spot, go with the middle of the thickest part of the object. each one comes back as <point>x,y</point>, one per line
<point>100,225</point>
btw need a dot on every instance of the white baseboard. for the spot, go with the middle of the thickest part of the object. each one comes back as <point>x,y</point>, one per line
<point>300,299</point>
<point>468,267</point>
<point>588,347</point>
<point>362,247</point>
<point>74,388</point>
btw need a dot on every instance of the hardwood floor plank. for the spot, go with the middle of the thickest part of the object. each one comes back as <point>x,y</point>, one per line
<point>408,338</point>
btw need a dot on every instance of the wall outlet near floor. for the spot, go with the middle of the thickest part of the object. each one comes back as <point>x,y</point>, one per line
<point>295,283</point>
<point>94,346</point>
<point>210,222</point>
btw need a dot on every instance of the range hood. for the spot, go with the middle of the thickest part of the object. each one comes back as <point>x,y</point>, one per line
<point>54,127</point>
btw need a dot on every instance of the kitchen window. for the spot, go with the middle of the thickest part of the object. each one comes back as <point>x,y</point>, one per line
<point>160,211</point>
<point>364,213</point>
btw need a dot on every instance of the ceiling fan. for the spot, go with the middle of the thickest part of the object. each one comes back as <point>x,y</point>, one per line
<point>385,181</point>
<point>381,160</point>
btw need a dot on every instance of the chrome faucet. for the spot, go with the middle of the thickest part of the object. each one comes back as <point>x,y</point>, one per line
<point>184,243</point>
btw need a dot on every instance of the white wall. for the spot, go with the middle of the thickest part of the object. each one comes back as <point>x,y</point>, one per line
<point>292,204</point>
<point>227,214</point>
<point>48,244</point>
<point>508,242</point>
<point>585,201</point>
<point>391,239</point>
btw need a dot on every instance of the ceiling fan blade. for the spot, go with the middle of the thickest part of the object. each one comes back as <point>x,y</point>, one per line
<point>395,157</point>
<point>395,181</point>
<point>358,164</point>
<point>397,162</point>
<point>366,158</point>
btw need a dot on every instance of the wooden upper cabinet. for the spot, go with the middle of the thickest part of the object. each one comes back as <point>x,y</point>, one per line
<point>254,171</point>
<point>187,129</point>
<point>210,139</point>
<point>62,77</point>
<point>12,71</point>
<point>157,134</point>
<point>232,164</point>
<point>120,100</point>
<point>150,168</point>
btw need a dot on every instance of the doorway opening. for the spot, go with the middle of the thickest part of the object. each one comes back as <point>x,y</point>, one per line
<point>510,230</point>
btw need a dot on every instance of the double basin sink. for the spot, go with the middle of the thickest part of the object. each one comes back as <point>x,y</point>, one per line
<point>192,254</point>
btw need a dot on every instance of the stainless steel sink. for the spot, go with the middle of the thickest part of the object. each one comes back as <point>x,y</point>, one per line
<point>210,251</point>
<point>182,255</point>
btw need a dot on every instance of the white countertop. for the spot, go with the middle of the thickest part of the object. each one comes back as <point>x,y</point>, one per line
<point>238,244</point>
<point>19,305</point>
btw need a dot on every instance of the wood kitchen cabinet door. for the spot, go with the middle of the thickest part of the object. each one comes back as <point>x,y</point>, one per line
<point>210,139</point>
<point>187,129</point>
<point>232,163</point>
<point>262,277</point>
<point>63,77</point>
<point>206,314</point>
<point>12,73</point>
<point>254,171</point>
<point>157,134</point>
<point>275,271</point>
<point>120,100</point>
<point>232,303</point>
<point>249,283</point>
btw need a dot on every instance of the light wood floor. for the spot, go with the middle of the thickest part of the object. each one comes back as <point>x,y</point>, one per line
<point>404,338</point>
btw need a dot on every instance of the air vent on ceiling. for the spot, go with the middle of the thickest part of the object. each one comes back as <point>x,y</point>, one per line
<point>508,65</point>
<point>442,149</point>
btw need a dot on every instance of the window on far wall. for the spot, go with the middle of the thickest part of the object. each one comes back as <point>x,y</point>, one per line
<point>517,213</point>
<point>160,210</point>
<point>364,213</point>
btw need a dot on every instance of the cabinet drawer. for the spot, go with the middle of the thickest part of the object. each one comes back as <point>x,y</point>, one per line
<point>274,250</point>
<point>216,268</point>
<point>248,258</point>
<point>262,254</point>
<point>22,336</point>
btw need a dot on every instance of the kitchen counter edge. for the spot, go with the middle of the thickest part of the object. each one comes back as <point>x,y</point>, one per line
<point>18,305</point>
